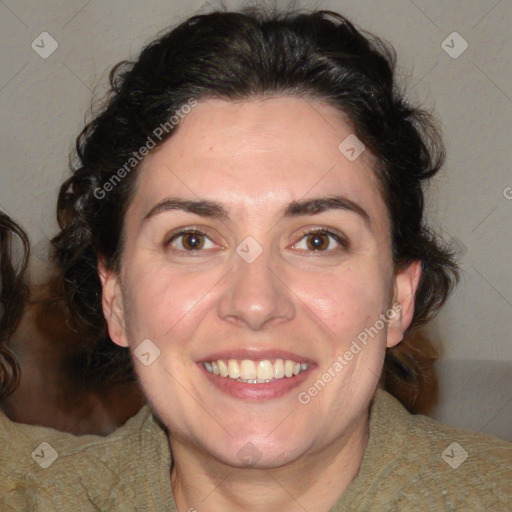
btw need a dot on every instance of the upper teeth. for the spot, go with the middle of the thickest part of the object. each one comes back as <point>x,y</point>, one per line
<point>250,370</point>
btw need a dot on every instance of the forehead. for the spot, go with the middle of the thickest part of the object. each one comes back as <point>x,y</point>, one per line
<point>254,156</point>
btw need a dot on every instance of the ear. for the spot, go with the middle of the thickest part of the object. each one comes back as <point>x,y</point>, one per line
<point>406,282</point>
<point>112,304</point>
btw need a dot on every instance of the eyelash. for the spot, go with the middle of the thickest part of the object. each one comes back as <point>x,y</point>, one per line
<point>338,236</point>
<point>190,231</point>
<point>335,234</point>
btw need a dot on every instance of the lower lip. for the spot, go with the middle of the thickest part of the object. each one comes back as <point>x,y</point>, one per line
<point>263,391</point>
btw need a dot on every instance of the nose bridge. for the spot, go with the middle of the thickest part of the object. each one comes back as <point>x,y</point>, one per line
<point>255,294</point>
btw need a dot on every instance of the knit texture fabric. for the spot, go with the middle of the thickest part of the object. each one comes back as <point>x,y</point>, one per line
<point>411,463</point>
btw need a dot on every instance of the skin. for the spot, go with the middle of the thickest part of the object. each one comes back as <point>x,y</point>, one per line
<point>255,157</point>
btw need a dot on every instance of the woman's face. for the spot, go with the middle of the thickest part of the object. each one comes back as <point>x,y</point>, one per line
<point>289,259</point>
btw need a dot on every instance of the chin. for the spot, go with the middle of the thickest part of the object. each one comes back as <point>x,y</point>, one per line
<point>259,450</point>
<point>251,454</point>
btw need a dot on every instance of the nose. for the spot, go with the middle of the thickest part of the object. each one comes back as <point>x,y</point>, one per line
<point>256,295</point>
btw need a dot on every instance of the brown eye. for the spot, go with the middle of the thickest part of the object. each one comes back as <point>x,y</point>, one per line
<point>318,241</point>
<point>322,240</point>
<point>190,241</point>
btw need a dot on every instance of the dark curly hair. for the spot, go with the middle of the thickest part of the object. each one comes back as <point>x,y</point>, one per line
<point>13,296</point>
<point>253,53</point>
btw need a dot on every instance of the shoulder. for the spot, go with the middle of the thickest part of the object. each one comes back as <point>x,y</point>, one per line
<point>413,462</point>
<point>428,433</point>
<point>459,445</point>
<point>456,452</point>
<point>66,472</point>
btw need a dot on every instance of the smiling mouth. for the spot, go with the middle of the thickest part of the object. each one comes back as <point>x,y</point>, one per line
<point>250,371</point>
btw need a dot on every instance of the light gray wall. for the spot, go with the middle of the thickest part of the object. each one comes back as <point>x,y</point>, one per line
<point>43,101</point>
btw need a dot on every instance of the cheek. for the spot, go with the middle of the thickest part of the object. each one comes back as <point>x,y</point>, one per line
<point>165,307</point>
<point>161,302</point>
<point>347,300</point>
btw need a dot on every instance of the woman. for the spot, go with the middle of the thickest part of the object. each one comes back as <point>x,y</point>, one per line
<point>247,222</point>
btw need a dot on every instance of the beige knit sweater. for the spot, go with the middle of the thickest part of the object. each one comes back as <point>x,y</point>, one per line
<point>411,463</point>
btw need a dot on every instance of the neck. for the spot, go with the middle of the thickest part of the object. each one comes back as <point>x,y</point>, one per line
<point>314,482</point>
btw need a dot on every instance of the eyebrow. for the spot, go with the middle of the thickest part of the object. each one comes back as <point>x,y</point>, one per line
<point>212,209</point>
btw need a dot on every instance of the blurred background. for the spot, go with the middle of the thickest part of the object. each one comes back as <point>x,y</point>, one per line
<point>454,57</point>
